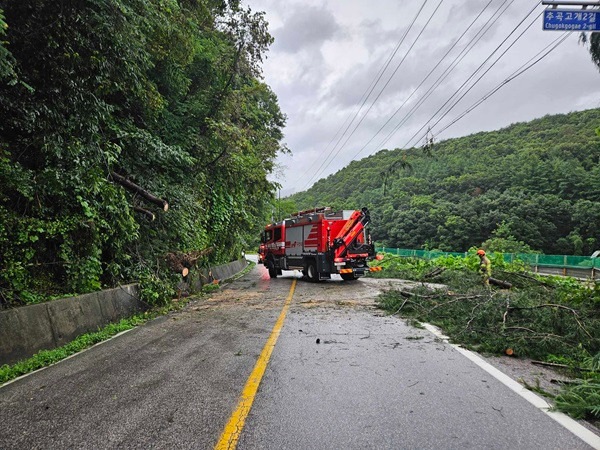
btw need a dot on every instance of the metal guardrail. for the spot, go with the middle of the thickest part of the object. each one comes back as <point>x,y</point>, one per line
<point>563,265</point>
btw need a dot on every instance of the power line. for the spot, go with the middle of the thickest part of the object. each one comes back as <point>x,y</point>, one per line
<point>453,101</point>
<point>425,79</point>
<point>390,79</point>
<point>482,32</point>
<point>370,90</point>
<point>366,94</point>
<point>464,52</point>
<point>380,92</point>
<point>524,68</point>
<point>479,79</point>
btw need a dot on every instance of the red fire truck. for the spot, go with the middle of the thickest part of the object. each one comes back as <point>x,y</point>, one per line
<point>319,242</point>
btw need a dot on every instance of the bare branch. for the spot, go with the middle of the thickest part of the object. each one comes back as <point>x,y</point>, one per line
<point>149,214</point>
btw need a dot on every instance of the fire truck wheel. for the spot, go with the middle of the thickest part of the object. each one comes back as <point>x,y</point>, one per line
<point>348,276</point>
<point>272,269</point>
<point>311,272</point>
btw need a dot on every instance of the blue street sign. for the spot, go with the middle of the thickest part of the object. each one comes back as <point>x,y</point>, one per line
<point>572,19</point>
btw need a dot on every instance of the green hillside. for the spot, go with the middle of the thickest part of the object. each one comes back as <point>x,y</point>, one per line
<point>535,184</point>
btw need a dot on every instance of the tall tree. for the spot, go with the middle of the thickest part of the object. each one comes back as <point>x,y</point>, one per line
<point>113,114</point>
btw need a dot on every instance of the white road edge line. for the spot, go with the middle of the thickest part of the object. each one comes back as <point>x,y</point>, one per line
<point>68,357</point>
<point>570,424</point>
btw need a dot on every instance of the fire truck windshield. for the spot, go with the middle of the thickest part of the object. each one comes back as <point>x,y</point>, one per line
<point>266,236</point>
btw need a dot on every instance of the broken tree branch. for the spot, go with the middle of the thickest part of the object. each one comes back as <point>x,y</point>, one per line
<point>149,214</point>
<point>477,305</point>
<point>521,329</point>
<point>455,299</point>
<point>528,277</point>
<point>505,315</point>
<point>554,305</point>
<point>560,366</point>
<point>401,306</point>
<point>536,335</point>
<point>412,294</point>
<point>545,305</point>
<point>130,185</point>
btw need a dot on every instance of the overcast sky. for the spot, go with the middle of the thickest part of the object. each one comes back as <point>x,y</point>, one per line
<point>327,54</point>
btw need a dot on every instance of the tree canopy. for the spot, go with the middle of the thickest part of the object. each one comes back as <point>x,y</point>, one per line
<point>532,186</point>
<point>166,95</point>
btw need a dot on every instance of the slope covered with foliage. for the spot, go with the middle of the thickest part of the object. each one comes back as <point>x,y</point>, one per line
<point>164,94</point>
<point>533,184</point>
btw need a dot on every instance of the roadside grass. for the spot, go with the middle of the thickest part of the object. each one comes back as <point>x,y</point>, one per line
<point>552,319</point>
<point>46,358</point>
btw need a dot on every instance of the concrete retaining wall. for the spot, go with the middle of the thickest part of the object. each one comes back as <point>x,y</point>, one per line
<point>221,273</point>
<point>225,271</point>
<point>25,331</point>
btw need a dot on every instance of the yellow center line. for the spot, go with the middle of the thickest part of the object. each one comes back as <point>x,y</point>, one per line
<point>233,429</point>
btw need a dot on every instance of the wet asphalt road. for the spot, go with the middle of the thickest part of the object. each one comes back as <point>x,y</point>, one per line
<point>371,382</point>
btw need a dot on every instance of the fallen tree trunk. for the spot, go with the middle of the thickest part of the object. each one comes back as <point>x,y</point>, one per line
<point>189,259</point>
<point>130,185</point>
<point>435,272</point>
<point>500,283</point>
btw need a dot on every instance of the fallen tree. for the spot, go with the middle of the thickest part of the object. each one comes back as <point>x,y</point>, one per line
<point>555,320</point>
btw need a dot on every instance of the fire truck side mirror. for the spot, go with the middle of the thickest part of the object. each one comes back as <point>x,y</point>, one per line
<point>262,237</point>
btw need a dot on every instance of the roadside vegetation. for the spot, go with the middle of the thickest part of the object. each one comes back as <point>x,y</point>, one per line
<point>137,140</point>
<point>552,319</point>
<point>48,357</point>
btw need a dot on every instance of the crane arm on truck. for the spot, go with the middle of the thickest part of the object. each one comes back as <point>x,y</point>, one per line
<point>348,235</point>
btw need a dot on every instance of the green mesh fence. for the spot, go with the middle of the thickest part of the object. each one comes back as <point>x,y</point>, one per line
<point>563,261</point>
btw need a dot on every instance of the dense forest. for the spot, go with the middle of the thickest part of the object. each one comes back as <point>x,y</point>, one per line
<point>529,187</point>
<point>129,131</point>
